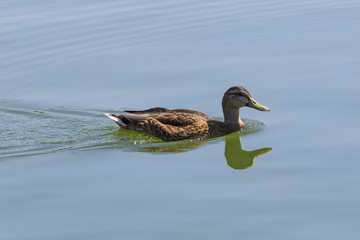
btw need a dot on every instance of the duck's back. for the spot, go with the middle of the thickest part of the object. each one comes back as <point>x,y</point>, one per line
<point>167,112</point>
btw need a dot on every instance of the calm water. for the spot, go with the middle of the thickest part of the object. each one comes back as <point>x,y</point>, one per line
<point>67,172</point>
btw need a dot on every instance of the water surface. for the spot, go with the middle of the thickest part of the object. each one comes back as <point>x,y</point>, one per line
<point>68,172</point>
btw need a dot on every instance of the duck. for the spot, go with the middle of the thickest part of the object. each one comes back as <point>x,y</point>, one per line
<point>179,124</point>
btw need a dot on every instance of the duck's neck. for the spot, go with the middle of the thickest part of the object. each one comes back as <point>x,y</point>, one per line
<point>232,115</point>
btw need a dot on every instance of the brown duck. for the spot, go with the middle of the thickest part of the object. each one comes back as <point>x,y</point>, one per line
<point>179,124</point>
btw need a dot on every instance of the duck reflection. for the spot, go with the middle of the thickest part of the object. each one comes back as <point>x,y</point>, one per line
<point>139,142</point>
<point>238,158</point>
<point>173,147</point>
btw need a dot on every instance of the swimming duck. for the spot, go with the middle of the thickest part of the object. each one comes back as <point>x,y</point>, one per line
<point>179,124</point>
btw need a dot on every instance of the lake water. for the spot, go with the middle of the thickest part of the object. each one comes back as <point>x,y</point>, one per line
<point>67,172</point>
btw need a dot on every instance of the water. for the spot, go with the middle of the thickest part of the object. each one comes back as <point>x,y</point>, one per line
<point>67,171</point>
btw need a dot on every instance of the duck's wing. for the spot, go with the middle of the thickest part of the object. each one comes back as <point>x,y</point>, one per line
<point>133,119</point>
<point>176,117</point>
<point>150,110</point>
<point>173,111</point>
<point>179,118</point>
<point>193,112</point>
<point>174,129</point>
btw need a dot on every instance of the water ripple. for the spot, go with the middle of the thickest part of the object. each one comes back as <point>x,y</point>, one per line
<point>36,36</point>
<point>31,131</point>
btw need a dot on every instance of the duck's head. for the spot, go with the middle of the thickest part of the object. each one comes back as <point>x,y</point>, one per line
<point>237,97</point>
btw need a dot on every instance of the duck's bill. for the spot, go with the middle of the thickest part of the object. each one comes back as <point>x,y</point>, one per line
<point>258,106</point>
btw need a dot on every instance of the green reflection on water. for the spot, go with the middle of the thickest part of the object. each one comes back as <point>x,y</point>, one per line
<point>238,158</point>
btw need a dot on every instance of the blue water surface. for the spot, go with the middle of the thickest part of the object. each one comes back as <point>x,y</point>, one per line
<point>67,172</point>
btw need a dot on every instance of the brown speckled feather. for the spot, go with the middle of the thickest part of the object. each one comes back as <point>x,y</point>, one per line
<point>169,125</point>
<point>169,132</point>
<point>174,111</point>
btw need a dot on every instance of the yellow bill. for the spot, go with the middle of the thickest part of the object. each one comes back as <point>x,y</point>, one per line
<point>258,106</point>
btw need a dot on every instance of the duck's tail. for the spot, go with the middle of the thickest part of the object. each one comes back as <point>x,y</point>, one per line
<point>129,120</point>
<point>118,119</point>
